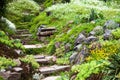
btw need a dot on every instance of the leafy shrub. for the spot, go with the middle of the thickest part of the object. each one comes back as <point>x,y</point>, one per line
<point>5,63</point>
<point>64,76</point>
<point>116,33</point>
<point>22,11</point>
<point>113,70</point>
<point>108,48</point>
<point>4,39</point>
<point>85,70</point>
<point>30,59</point>
<point>64,59</point>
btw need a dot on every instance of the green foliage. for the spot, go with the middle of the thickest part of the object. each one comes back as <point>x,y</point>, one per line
<point>116,33</point>
<point>69,37</point>
<point>1,78</point>
<point>30,59</point>
<point>94,15</point>
<point>35,51</point>
<point>113,70</point>
<point>64,76</point>
<point>81,12</point>
<point>108,48</point>
<point>85,70</point>
<point>4,39</point>
<point>5,63</point>
<point>64,59</point>
<point>39,1</point>
<point>22,11</point>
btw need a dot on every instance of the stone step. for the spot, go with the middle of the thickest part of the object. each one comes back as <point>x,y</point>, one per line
<point>24,35</point>
<point>33,46</point>
<point>52,78</point>
<point>17,69</point>
<point>22,30</point>
<point>10,75</point>
<point>45,59</point>
<point>26,32</point>
<point>39,56</point>
<point>53,69</point>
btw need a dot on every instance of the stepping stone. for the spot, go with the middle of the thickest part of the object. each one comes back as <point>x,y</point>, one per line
<point>53,69</point>
<point>15,76</point>
<point>17,61</point>
<point>39,56</point>
<point>45,59</point>
<point>32,46</point>
<point>24,35</point>
<point>4,75</point>
<point>10,75</point>
<point>23,30</point>
<point>52,78</point>
<point>17,69</point>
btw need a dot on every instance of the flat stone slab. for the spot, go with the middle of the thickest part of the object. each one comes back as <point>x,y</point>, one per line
<point>45,59</point>
<point>17,69</point>
<point>25,35</point>
<point>52,78</point>
<point>33,46</point>
<point>39,56</point>
<point>53,69</point>
<point>10,75</point>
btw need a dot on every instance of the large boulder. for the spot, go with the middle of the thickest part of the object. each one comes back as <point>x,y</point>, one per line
<point>110,24</point>
<point>78,47</point>
<point>73,57</point>
<point>80,58</point>
<point>80,39</point>
<point>91,39</point>
<point>107,35</point>
<point>67,47</point>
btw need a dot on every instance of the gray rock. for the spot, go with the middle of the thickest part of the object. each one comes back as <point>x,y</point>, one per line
<point>80,39</point>
<point>40,28</point>
<point>73,57</point>
<point>91,39</point>
<point>67,47</point>
<point>4,75</point>
<point>57,45</point>
<point>82,55</point>
<point>110,24</point>
<point>92,33</point>
<point>10,75</point>
<point>78,47</point>
<point>107,35</point>
<point>15,76</point>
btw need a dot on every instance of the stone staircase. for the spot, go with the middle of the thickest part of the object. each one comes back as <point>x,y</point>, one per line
<point>15,73</point>
<point>48,65</point>
<point>24,35</point>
